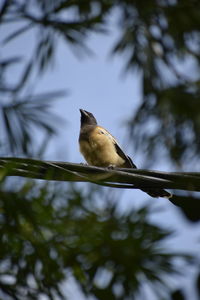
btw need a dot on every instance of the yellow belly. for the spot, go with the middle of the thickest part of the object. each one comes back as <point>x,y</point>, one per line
<point>100,151</point>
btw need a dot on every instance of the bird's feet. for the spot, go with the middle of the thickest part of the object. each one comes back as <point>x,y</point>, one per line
<point>111,167</point>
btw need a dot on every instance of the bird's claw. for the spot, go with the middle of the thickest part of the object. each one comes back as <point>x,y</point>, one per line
<point>111,167</point>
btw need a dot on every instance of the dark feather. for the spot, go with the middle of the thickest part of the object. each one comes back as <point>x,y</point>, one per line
<point>154,192</point>
<point>128,161</point>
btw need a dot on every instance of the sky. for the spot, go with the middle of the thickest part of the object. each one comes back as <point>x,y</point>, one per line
<point>98,84</point>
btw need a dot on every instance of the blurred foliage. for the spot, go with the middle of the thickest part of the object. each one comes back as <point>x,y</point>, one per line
<point>162,41</point>
<point>47,232</point>
<point>22,113</point>
<point>115,178</point>
<point>159,38</point>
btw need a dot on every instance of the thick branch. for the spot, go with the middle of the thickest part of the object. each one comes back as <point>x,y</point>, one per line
<point>121,178</point>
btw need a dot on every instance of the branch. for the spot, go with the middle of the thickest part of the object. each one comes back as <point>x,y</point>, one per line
<point>118,178</point>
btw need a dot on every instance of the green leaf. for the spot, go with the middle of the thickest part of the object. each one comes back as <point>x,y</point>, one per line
<point>16,33</point>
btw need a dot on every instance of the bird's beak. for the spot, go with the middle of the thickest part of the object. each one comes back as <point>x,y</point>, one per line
<point>83,112</point>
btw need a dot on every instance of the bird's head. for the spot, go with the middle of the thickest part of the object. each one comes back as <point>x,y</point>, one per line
<point>87,118</point>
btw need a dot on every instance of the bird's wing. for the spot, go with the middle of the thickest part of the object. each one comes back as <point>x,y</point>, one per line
<point>128,161</point>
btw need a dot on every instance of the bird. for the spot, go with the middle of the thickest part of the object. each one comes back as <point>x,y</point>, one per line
<point>101,149</point>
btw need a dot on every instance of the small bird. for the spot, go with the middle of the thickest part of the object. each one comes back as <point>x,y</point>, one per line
<point>101,149</point>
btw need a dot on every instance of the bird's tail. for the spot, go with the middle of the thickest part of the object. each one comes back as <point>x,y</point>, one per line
<point>156,192</point>
<point>153,192</point>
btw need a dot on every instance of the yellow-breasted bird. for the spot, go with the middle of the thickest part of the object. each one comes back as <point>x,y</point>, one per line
<point>101,149</point>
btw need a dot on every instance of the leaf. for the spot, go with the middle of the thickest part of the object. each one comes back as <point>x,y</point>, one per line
<point>198,284</point>
<point>4,9</point>
<point>7,62</point>
<point>16,33</point>
<point>177,295</point>
<point>22,115</point>
<point>25,75</point>
<point>189,205</point>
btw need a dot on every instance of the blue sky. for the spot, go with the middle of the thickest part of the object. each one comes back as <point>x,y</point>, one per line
<point>96,83</point>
